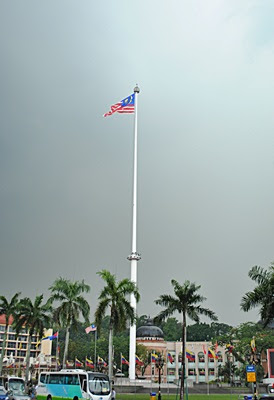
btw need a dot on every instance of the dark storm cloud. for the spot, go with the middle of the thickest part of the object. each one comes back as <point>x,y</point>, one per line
<point>205,145</point>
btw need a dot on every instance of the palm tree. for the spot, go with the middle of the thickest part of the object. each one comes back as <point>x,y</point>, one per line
<point>114,297</point>
<point>263,294</point>
<point>8,309</point>
<point>35,318</point>
<point>186,302</point>
<point>73,304</point>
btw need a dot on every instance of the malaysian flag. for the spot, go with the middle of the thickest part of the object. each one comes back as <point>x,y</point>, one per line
<point>125,106</point>
<point>91,328</point>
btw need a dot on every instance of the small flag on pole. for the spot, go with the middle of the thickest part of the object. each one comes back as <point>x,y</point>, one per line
<point>125,106</point>
<point>170,358</point>
<point>124,361</point>
<point>204,350</point>
<point>138,361</point>
<point>190,355</point>
<point>69,364</point>
<point>91,328</point>
<point>89,363</point>
<point>253,344</point>
<point>229,347</point>
<point>153,357</point>
<point>102,361</point>
<point>78,363</point>
<point>211,353</point>
<point>52,337</point>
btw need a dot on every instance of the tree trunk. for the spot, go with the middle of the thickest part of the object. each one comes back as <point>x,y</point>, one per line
<point>3,347</point>
<point>28,358</point>
<point>66,347</point>
<point>110,355</point>
<point>183,373</point>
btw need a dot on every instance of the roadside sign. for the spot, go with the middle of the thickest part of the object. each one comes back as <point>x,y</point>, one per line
<point>251,376</point>
<point>250,368</point>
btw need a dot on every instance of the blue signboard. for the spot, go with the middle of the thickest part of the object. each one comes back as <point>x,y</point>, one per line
<point>250,368</point>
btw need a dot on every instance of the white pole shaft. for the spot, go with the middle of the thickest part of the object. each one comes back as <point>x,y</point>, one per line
<point>132,344</point>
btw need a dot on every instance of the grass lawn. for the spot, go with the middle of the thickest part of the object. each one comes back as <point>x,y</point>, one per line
<point>143,396</point>
<point>173,396</point>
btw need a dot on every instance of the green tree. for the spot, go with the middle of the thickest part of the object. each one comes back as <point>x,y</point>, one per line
<point>227,371</point>
<point>202,331</point>
<point>263,293</point>
<point>172,329</point>
<point>113,297</point>
<point>8,309</point>
<point>35,317</point>
<point>145,356</point>
<point>187,303</point>
<point>72,306</point>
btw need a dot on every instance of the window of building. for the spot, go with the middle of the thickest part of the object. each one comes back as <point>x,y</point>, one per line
<point>191,372</point>
<point>11,345</point>
<point>201,357</point>
<point>171,371</point>
<point>11,337</point>
<point>2,328</point>
<point>202,372</point>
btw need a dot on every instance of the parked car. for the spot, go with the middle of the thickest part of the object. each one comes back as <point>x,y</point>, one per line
<point>3,394</point>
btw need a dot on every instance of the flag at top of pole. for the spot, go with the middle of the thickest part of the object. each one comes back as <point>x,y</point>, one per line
<point>129,105</point>
<point>125,106</point>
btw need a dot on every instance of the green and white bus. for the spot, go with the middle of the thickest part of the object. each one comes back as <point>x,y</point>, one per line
<point>74,382</point>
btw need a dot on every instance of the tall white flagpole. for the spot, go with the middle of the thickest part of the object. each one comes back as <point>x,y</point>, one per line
<point>134,256</point>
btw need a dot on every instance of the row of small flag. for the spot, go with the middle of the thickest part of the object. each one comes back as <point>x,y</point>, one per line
<point>190,355</point>
<point>137,360</point>
<point>87,363</point>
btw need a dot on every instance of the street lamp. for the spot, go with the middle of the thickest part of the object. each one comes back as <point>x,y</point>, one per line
<point>159,364</point>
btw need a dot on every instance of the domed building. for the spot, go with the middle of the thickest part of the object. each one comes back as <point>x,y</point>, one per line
<point>149,332</point>
<point>152,337</point>
<point>199,367</point>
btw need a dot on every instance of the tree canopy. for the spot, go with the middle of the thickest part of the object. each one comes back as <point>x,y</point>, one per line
<point>187,302</point>
<point>263,294</point>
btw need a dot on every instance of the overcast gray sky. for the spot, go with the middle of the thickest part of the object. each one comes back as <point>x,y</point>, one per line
<point>206,163</point>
